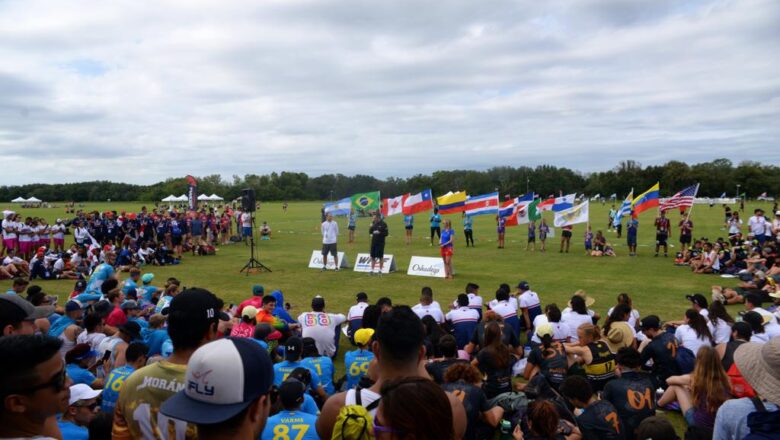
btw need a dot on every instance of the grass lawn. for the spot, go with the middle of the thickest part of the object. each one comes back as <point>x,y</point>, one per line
<point>655,284</point>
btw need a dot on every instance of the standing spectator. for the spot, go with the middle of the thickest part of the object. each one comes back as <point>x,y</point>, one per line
<point>501,230</point>
<point>632,228</point>
<point>468,230</point>
<point>599,420</point>
<point>378,232</point>
<point>246,226</point>
<point>34,386</point>
<point>193,318</point>
<point>355,314</point>
<point>758,226</point>
<point>435,224</point>
<point>239,404</point>
<point>566,233</point>
<point>531,236</point>
<point>81,410</point>
<point>351,225</point>
<point>632,392</point>
<point>136,358</point>
<point>356,362</point>
<point>662,234</point>
<point>686,233</point>
<point>734,224</point>
<point>321,326</point>
<point>330,234</point>
<point>463,320</point>
<point>446,248</point>
<point>408,227</point>
<point>544,230</point>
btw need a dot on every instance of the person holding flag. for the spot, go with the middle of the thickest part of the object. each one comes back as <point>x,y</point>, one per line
<point>686,232</point>
<point>500,229</point>
<point>446,248</point>
<point>662,234</point>
<point>632,228</point>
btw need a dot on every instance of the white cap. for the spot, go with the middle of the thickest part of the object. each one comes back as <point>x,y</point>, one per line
<point>82,391</point>
<point>777,213</point>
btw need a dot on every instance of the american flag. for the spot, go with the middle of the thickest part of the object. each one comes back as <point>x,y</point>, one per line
<point>683,199</point>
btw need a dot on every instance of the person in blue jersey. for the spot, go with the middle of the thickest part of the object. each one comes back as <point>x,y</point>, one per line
<point>446,248</point>
<point>351,225</point>
<point>80,365</point>
<point>463,320</point>
<point>177,231</point>
<point>435,224</point>
<point>293,349</point>
<point>409,227</point>
<point>632,227</point>
<point>323,365</point>
<point>303,375</point>
<point>132,282</point>
<point>81,410</point>
<point>468,230</point>
<point>291,422</point>
<point>136,358</point>
<point>356,362</point>
<point>102,273</point>
<point>146,291</point>
<point>155,335</point>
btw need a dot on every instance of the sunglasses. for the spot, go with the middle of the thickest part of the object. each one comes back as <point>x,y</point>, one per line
<point>57,382</point>
<point>90,407</point>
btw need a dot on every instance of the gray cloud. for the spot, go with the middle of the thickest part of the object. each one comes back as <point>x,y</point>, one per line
<point>125,92</point>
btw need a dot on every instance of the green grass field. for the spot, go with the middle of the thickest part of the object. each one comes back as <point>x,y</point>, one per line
<point>655,284</point>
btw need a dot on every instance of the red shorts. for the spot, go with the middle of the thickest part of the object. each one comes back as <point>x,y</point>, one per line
<point>445,252</point>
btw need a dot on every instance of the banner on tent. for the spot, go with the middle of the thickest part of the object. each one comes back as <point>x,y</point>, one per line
<point>363,263</point>
<point>315,262</point>
<point>427,267</point>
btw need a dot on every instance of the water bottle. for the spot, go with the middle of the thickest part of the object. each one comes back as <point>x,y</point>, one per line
<point>505,427</point>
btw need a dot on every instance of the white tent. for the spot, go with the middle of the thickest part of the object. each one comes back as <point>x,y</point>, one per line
<point>182,198</point>
<point>170,198</point>
<point>215,197</point>
<point>34,200</point>
<point>19,200</point>
<point>204,197</point>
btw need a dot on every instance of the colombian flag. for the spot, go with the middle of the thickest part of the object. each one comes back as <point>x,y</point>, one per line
<point>452,202</point>
<point>646,200</point>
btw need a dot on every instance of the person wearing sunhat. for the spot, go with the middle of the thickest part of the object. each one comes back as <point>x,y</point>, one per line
<point>81,410</point>
<point>589,301</point>
<point>619,335</point>
<point>291,421</point>
<point>227,396</point>
<point>80,366</point>
<point>760,366</point>
<point>17,316</point>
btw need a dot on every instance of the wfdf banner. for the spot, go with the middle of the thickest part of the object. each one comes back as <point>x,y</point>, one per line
<point>363,263</point>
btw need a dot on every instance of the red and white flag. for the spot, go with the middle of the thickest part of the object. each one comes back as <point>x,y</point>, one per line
<point>420,202</point>
<point>394,205</point>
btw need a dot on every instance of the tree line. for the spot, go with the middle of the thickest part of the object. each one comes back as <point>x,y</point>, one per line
<point>715,177</point>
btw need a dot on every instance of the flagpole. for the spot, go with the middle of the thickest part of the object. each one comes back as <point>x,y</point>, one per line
<point>694,202</point>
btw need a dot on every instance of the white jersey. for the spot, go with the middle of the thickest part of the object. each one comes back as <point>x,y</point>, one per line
<point>322,327</point>
<point>367,397</point>
<point>574,321</point>
<point>58,231</point>
<point>429,310</point>
<point>633,317</point>
<point>529,299</point>
<point>771,328</point>
<point>356,311</point>
<point>462,315</point>
<point>9,229</point>
<point>757,225</point>
<point>93,339</point>
<point>512,302</point>
<point>330,232</point>
<point>687,337</point>
<point>505,309</point>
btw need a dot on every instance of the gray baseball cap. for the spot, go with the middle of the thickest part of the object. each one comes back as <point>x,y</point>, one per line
<point>30,311</point>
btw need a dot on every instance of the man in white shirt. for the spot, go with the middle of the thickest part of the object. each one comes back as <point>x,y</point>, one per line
<point>322,327</point>
<point>757,225</point>
<point>330,233</point>
<point>753,303</point>
<point>776,226</point>
<point>428,306</point>
<point>355,315</point>
<point>246,226</point>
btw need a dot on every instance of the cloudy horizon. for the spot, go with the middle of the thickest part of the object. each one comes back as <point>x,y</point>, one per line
<point>138,92</point>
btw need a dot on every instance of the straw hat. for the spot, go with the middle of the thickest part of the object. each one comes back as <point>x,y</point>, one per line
<point>760,366</point>
<point>619,336</point>
<point>589,300</point>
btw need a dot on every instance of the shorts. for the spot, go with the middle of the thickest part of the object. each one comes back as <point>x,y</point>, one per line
<point>329,249</point>
<point>409,228</point>
<point>59,242</point>
<point>377,250</point>
<point>631,239</point>
<point>176,240</point>
<point>532,239</point>
<point>351,228</point>
<point>10,243</point>
<point>436,229</point>
<point>246,231</point>
<point>446,251</point>
<point>500,230</point>
<point>660,239</point>
<point>566,234</point>
<point>685,239</point>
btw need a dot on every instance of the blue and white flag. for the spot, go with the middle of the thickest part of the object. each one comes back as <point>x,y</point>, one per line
<point>723,196</point>
<point>563,202</point>
<point>339,207</point>
<point>625,209</point>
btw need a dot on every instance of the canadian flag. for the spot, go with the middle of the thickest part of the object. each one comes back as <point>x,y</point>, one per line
<point>393,206</point>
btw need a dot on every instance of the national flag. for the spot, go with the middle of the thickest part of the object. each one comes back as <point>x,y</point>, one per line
<point>625,209</point>
<point>508,211</point>
<point>528,212</point>
<point>525,197</point>
<point>723,196</point>
<point>572,216</point>
<point>683,199</point>
<point>451,202</point>
<point>393,206</point>
<point>646,200</point>
<point>366,201</point>
<point>339,207</point>
<point>484,204</point>
<point>563,202</point>
<point>546,205</point>
<point>763,194</point>
<point>613,196</point>
<point>596,197</point>
<point>420,202</point>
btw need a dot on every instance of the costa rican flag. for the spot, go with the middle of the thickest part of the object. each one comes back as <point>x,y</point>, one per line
<point>484,204</point>
<point>393,206</point>
<point>683,199</point>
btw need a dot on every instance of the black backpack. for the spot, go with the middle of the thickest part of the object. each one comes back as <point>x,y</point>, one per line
<point>763,424</point>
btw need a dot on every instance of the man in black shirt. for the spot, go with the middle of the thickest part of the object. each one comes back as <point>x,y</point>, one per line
<point>449,351</point>
<point>599,419</point>
<point>378,232</point>
<point>661,347</point>
<point>632,393</point>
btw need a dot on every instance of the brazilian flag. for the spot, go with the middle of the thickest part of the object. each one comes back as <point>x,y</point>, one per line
<point>366,201</point>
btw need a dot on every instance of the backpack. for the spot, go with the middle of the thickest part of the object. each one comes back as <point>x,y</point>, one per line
<point>764,425</point>
<point>354,422</point>
<point>739,386</point>
<point>685,360</point>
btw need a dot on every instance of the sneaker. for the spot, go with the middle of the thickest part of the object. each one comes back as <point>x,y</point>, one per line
<point>337,269</point>
<point>322,270</point>
<point>656,254</point>
<point>666,255</point>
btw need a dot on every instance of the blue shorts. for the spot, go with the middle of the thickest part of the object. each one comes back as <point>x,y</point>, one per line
<point>631,240</point>
<point>246,231</point>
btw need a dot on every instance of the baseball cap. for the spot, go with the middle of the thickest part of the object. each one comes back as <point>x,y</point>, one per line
<point>147,278</point>
<point>698,299</point>
<point>258,290</point>
<point>249,311</point>
<point>363,336</point>
<point>545,329</point>
<point>130,305</point>
<point>318,301</point>
<point>131,328</point>
<point>523,285</point>
<point>223,378</point>
<point>79,352</point>
<point>80,285</point>
<point>650,322</point>
<point>291,392</point>
<point>22,310</point>
<point>293,348</point>
<point>195,305</point>
<point>82,391</point>
<point>72,306</point>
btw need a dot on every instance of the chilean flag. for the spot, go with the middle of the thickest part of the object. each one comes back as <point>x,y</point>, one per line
<point>485,204</point>
<point>420,202</point>
<point>393,206</point>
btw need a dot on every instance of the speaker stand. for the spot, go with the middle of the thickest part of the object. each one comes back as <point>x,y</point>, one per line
<point>253,262</point>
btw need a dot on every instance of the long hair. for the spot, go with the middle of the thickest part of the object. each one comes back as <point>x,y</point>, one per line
<point>408,401</point>
<point>578,305</point>
<point>543,418</point>
<point>711,386</point>
<point>494,345</point>
<point>553,313</point>
<point>590,331</point>
<point>620,312</point>
<point>718,312</point>
<point>699,324</point>
<point>623,298</point>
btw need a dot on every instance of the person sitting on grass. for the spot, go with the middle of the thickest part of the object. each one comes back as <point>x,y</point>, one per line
<point>481,419</point>
<point>291,422</point>
<point>593,353</point>
<point>599,419</point>
<point>265,231</point>
<point>632,392</point>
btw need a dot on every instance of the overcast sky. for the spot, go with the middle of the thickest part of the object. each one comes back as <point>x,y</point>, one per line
<point>138,91</point>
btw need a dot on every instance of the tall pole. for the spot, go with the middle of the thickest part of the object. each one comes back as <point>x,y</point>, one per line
<point>527,184</point>
<point>738,185</point>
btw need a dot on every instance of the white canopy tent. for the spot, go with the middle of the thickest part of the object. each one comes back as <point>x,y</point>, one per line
<point>203,198</point>
<point>19,200</point>
<point>34,200</point>
<point>182,198</point>
<point>215,198</point>
<point>170,198</point>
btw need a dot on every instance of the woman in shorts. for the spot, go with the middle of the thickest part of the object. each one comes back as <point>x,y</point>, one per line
<point>501,229</point>
<point>566,237</point>
<point>531,236</point>
<point>409,226</point>
<point>543,231</point>
<point>446,248</point>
